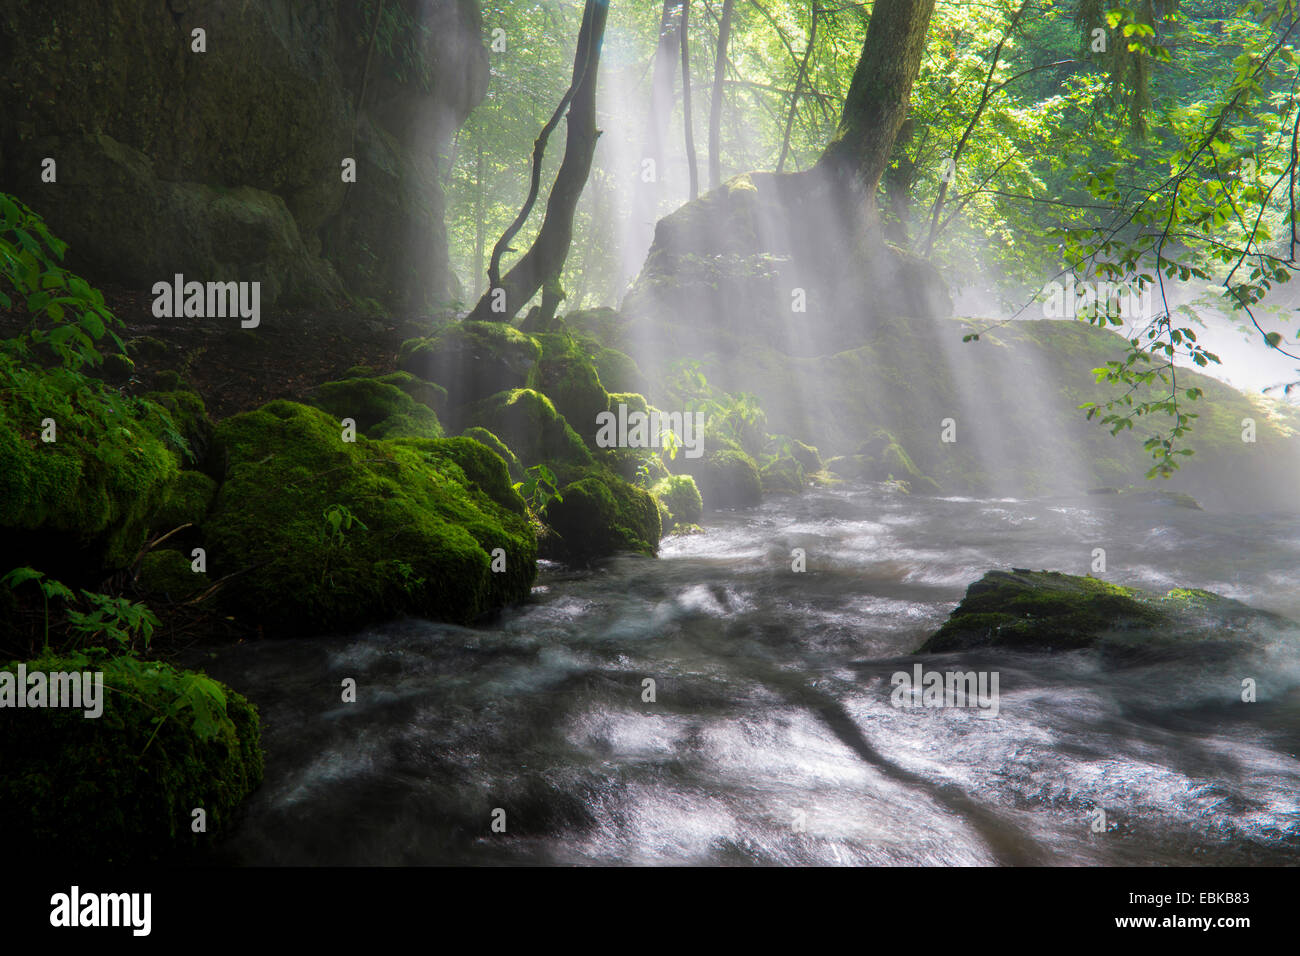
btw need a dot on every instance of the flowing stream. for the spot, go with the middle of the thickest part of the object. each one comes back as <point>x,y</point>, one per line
<point>772,738</point>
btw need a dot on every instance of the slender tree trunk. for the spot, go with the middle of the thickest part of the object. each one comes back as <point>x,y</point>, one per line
<point>715,102</point>
<point>798,85</point>
<point>541,265</point>
<point>661,92</point>
<point>878,97</point>
<point>480,212</point>
<point>692,161</point>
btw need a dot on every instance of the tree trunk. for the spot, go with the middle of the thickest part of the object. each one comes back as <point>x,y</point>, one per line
<point>715,103</point>
<point>798,84</point>
<point>878,98</point>
<point>661,93</point>
<point>692,161</point>
<point>480,227</point>
<point>541,264</point>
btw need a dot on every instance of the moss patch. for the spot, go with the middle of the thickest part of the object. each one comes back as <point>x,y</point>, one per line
<point>527,421</point>
<point>680,498</point>
<point>381,409</point>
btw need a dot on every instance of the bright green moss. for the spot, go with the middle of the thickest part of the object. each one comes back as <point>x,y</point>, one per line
<point>86,497</point>
<point>380,409</point>
<point>527,422</point>
<point>187,500</point>
<point>485,437</point>
<point>422,546</point>
<point>567,377</point>
<point>120,788</point>
<point>681,499</point>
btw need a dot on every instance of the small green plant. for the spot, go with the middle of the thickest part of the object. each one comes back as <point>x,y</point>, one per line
<point>410,583</point>
<point>116,618</point>
<point>49,588</point>
<point>539,488</point>
<point>338,520</point>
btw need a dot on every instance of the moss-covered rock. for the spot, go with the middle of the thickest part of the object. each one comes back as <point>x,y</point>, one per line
<point>618,371</point>
<point>527,422</point>
<point>1047,610</point>
<point>187,501</point>
<point>784,476</point>
<point>601,514</point>
<point>380,408</point>
<point>681,498</point>
<point>566,376</point>
<point>726,479</point>
<point>635,402</point>
<point>489,440</point>
<point>331,534</point>
<point>121,788</point>
<point>82,502</point>
<point>473,360</point>
<point>170,575</point>
<point>189,417</point>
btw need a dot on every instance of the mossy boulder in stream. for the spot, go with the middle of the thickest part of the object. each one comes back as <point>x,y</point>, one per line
<point>187,501</point>
<point>1047,610</point>
<point>726,479</point>
<point>121,788</point>
<point>490,441</point>
<point>327,534</point>
<point>681,498</point>
<point>601,514</point>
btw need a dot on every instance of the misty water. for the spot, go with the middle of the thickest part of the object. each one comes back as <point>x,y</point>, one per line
<point>773,739</point>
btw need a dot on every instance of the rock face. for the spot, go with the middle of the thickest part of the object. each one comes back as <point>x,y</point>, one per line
<point>226,164</point>
<point>857,355</point>
<point>1047,610</point>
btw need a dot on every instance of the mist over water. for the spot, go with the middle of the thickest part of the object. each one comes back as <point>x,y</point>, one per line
<point>773,704</point>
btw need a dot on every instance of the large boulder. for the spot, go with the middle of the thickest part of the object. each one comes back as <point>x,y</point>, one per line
<point>1047,610</point>
<point>599,515</point>
<point>323,534</point>
<point>226,164</point>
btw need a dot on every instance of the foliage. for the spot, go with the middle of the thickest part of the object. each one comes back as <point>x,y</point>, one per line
<point>538,488</point>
